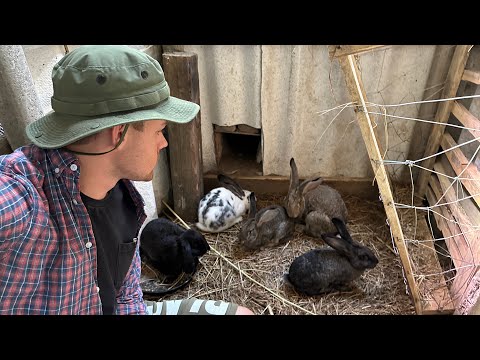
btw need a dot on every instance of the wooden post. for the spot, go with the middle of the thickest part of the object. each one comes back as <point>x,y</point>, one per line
<point>185,140</point>
<point>357,93</point>
<point>452,82</point>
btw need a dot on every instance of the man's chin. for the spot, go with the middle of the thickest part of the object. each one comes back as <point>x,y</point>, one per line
<point>148,177</point>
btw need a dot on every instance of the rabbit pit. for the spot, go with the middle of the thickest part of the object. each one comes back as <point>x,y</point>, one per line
<point>324,270</point>
<point>223,207</point>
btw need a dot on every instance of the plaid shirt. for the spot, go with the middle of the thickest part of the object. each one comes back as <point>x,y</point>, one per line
<point>48,253</point>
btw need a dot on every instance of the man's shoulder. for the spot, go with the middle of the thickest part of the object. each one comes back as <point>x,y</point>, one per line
<point>20,162</point>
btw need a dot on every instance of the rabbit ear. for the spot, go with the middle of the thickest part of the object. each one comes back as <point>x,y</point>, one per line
<point>342,246</point>
<point>342,229</point>
<point>187,257</point>
<point>293,174</point>
<point>308,185</point>
<point>267,216</point>
<point>253,205</point>
<point>231,185</point>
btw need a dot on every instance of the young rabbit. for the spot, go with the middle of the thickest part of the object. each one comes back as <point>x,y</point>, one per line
<point>222,207</point>
<point>314,204</point>
<point>323,270</point>
<point>269,227</point>
<point>170,248</point>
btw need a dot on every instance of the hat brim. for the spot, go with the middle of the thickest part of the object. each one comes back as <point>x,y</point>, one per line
<point>56,130</point>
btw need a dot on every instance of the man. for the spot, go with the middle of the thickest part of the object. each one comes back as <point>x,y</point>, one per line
<point>69,214</point>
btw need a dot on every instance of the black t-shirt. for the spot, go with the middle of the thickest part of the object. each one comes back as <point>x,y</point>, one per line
<point>115,226</point>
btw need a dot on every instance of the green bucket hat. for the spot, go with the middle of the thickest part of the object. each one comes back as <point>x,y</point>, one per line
<point>99,86</point>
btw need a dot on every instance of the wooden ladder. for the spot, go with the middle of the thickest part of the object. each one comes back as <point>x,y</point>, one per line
<point>440,300</point>
<point>455,220</point>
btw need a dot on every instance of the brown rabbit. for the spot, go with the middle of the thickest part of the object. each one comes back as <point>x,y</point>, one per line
<point>269,227</point>
<point>313,204</point>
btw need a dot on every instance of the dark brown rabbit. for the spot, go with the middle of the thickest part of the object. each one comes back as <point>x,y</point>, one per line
<point>269,227</point>
<point>313,204</point>
<point>323,270</point>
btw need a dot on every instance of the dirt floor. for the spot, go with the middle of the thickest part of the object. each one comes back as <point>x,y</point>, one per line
<point>255,279</point>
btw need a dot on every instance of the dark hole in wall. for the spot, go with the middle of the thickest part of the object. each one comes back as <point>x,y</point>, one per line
<point>238,154</point>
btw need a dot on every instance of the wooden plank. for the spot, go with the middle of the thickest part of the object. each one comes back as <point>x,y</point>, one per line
<point>227,129</point>
<point>472,303</point>
<point>458,254</point>
<point>357,94</point>
<point>459,162</point>
<point>248,129</point>
<point>436,297</point>
<point>337,51</point>
<point>185,140</point>
<point>261,184</point>
<point>450,227</point>
<point>468,205</point>
<point>466,118</point>
<point>443,112</point>
<point>469,241</point>
<point>456,290</point>
<point>469,245</point>
<point>471,76</point>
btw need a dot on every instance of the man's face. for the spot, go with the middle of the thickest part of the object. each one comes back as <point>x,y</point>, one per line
<point>140,156</point>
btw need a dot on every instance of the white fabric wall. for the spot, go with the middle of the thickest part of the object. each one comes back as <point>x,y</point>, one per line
<point>284,87</point>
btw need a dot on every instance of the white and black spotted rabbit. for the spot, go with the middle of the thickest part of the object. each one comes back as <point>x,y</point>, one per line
<point>223,207</point>
<point>270,227</point>
<point>313,204</point>
<point>323,270</point>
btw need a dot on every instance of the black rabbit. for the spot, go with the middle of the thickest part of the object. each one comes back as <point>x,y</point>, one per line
<point>171,249</point>
<point>323,270</point>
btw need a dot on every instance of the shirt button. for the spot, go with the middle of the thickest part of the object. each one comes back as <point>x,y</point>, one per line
<point>57,170</point>
<point>88,245</point>
<point>75,201</point>
<point>98,289</point>
<point>73,167</point>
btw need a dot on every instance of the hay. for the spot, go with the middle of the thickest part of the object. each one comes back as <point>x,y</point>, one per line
<point>378,291</point>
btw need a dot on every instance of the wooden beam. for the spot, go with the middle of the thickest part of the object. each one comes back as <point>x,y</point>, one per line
<point>458,253</point>
<point>454,77</point>
<point>436,296</point>
<point>459,162</point>
<point>466,118</point>
<point>469,244</point>
<point>357,94</point>
<point>185,140</point>
<point>337,51</point>
<point>361,187</point>
<point>471,76</point>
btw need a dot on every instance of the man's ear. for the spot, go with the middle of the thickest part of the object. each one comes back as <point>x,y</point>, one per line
<point>116,133</point>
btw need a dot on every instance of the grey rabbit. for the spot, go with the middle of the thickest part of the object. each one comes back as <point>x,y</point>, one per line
<point>222,207</point>
<point>171,249</point>
<point>323,270</point>
<point>269,227</point>
<point>313,204</point>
